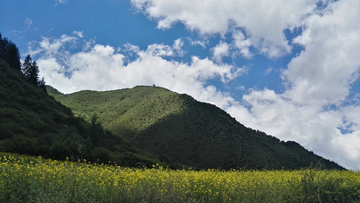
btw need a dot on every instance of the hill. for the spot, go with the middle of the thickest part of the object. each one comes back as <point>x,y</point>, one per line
<point>189,132</point>
<point>34,123</point>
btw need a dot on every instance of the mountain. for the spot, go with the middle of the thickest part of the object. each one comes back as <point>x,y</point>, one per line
<point>34,123</point>
<point>197,134</point>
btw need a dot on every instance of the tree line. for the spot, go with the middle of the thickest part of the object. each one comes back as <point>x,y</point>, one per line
<point>29,69</point>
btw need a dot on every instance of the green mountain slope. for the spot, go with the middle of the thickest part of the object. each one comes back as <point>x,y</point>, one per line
<point>34,123</point>
<point>190,132</point>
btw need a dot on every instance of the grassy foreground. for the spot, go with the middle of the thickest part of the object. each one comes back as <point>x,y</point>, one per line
<point>34,179</point>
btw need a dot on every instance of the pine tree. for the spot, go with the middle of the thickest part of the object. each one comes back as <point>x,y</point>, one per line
<point>26,68</point>
<point>31,71</point>
<point>3,46</point>
<point>13,57</point>
<point>41,83</point>
<point>34,74</point>
<point>10,53</point>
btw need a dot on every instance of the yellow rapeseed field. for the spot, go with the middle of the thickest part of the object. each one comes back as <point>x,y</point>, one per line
<point>34,179</point>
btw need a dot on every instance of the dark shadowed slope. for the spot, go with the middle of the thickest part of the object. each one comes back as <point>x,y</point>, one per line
<point>190,132</point>
<point>34,123</point>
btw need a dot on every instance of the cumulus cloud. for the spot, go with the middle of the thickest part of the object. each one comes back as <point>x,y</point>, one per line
<point>178,44</point>
<point>103,68</point>
<point>242,44</point>
<point>311,125</point>
<point>330,63</point>
<point>220,50</point>
<point>78,33</point>
<point>314,109</point>
<point>263,21</point>
<point>50,47</point>
<point>202,43</point>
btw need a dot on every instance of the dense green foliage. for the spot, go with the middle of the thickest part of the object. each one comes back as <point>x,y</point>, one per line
<point>190,132</point>
<point>34,123</point>
<point>34,179</point>
<point>31,72</point>
<point>10,53</point>
<point>29,69</point>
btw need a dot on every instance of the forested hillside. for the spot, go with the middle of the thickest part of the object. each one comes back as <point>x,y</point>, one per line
<point>34,123</point>
<point>190,132</point>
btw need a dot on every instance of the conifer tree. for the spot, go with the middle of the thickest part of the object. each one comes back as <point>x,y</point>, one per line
<point>31,71</point>
<point>41,83</point>
<point>13,57</point>
<point>10,53</point>
<point>26,66</point>
<point>3,45</point>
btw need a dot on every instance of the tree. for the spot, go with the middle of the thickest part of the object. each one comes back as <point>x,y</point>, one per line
<point>31,72</point>
<point>96,131</point>
<point>27,66</point>
<point>10,53</point>
<point>13,57</point>
<point>3,46</point>
<point>41,83</point>
<point>34,74</point>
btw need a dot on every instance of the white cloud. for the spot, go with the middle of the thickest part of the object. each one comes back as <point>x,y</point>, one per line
<point>60,2</point>
<point>202,43</point>
<point>264,21</point>
<point>220,50</point>
<point>159,50</point>
<point>313,109</point>
<point>310,125</point>
<point>50,47</point>
<point>78,33</point>
<point>28,22</point>
<point>268,71</point>
<point>103,68</point>
<point>178,44</point>
<point>242,44</point>
<point>330,63</point>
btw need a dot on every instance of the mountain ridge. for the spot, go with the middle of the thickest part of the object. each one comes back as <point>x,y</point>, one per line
<point>34,123</point>
<point>198,134</point>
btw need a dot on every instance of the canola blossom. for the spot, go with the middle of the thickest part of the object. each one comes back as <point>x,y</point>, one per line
<point>34,179</point>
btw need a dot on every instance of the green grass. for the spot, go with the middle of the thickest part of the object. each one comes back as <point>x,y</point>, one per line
<point>34,179</point>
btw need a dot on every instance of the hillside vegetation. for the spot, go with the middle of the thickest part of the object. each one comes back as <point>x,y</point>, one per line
<point>189,132</point>
<point>34,123</point>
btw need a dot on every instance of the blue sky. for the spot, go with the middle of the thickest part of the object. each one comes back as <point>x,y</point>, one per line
<point>288,68</point>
